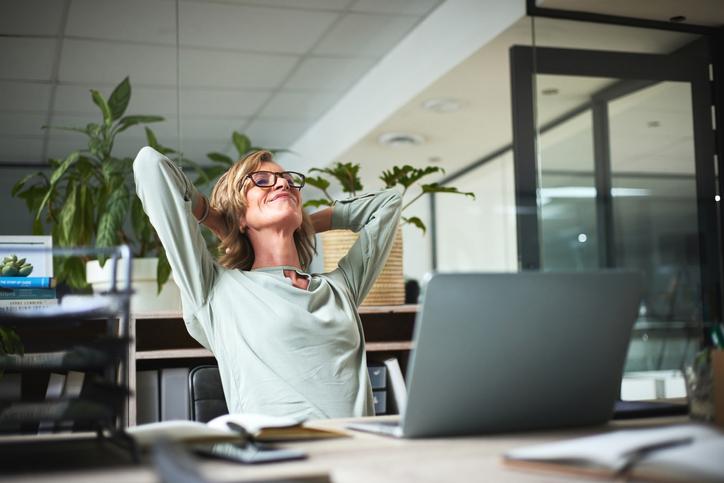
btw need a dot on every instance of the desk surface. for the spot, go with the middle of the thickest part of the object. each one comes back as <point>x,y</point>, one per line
<point>365,458</point>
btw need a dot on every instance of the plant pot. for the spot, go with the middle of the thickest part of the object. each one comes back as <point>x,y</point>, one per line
<point>389,288</point>
<point>143,281</point>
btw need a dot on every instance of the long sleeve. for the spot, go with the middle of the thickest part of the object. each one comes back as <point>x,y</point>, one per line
<point>375,216</point>
<point>166,195</point>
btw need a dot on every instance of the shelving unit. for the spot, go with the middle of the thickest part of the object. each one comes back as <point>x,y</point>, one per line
<point>160,339</point>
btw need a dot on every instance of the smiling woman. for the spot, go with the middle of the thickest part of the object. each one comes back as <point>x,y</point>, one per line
<point>288,342</point>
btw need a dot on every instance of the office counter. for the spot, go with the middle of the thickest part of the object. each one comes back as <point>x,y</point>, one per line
<point>364,458</point>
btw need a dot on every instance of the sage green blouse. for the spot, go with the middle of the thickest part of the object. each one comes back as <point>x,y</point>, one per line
<point>281,350</point>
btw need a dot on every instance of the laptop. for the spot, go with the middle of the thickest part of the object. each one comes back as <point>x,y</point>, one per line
<point>500,352</point>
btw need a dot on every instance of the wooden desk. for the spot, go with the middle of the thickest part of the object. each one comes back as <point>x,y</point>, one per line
<point>367,458</point>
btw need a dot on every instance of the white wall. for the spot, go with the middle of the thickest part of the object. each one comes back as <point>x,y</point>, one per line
<point>481,234</point>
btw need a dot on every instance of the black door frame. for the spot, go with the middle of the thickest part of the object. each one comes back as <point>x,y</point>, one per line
<point>637,70</point>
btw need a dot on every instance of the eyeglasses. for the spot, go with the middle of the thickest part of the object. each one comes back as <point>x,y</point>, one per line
<point>267,179</point>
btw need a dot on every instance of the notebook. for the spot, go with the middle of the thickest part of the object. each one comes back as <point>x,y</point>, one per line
<point>500,352</point>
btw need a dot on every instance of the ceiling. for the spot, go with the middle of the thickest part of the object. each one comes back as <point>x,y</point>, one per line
<point>276,69</point>
<point>268,68</point>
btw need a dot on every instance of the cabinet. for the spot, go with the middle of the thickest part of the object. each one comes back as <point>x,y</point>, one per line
<point>159,339</point>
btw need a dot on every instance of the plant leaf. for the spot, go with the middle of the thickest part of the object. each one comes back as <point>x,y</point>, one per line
<point>241,142</point>
<point>437,188</point>
<point>317,203</point>
<point>111,221</point>
<point>119,98</point>
<point>55,177</point>
<point>317,182</point>
<point>130,121</point>
<point>21,183</point>
<point>163,271</point>
<point>99,101</point>
<point>220,158</point>
<point>413,220</point>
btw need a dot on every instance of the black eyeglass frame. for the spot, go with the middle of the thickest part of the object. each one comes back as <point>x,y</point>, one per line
<point>276,176</point>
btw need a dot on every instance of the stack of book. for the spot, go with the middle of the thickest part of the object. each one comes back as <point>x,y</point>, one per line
<point>26,273</point>
<point>27,293</point>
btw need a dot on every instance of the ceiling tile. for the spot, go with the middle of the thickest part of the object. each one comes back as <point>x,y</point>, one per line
<point>303,4</point>
<point>21,150</point>
<point>221,103</point>
<point>27,59</point>
<point>362,34</point>
<point>275,134</point>
<point>94,63</point>
<point>211,128</point>
<point>24,96</point>
<point>151,21</point>
<point>22,124</point>
<point>332,73</point>
<point>299,105</point>
<point>20,17</point>
<point>144,100</point>
<point>252,28</point>
<point>197,149</point>
<point>410,7</point>
<point>207,68</point>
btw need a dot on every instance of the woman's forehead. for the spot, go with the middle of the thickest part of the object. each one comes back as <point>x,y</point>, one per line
<point>270,166</point>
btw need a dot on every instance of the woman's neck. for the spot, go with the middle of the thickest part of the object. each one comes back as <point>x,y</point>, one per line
<point>274,249</point>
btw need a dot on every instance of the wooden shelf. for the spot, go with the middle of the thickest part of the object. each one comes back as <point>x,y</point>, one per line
<point>173,354</point>
<point>388,346</point>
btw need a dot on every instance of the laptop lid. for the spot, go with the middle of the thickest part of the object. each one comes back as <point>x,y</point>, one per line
<point>502,352</point>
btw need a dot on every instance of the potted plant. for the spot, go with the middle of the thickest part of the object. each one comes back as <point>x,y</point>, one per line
<point>389,288</point>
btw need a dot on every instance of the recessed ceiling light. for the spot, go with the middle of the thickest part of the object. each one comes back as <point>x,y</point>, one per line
<point>549,91</point>
<point>443,105</point>
<point>400,139</point>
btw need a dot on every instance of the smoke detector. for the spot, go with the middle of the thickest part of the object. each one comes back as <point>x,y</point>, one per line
<point>400,139</point>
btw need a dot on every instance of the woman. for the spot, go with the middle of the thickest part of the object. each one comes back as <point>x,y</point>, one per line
<point>287,342</point>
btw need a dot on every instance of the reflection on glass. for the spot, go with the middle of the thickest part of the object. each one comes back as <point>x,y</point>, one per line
<point>653,210</point>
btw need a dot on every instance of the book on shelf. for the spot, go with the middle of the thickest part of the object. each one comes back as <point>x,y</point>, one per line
<point>147,397</point>
<point>174,393</point>
<point>686,452</point>
<point>397,385</point>
<point>35,252</point>
<point>27,293</point>
<point>27,282</point>
<point>231,427</point>
<point>26,305</point>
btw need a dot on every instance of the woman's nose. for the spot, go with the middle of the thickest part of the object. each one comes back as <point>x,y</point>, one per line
<point>282,182</point>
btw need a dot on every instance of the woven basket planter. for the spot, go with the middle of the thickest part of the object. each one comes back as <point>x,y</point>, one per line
<point>389,289</point>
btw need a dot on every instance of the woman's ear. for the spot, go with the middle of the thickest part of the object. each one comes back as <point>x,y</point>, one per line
<point>242,224</point>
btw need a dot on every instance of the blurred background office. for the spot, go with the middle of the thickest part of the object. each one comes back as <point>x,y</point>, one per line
<point>589,145</point>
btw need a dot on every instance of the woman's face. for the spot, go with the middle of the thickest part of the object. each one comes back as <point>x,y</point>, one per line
<point>278,206</point>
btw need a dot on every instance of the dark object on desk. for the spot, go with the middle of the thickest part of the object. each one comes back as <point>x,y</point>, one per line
<point>206,395</point>
<point>176,465</point>
<point>249,453</point>
<point>648,409</point>
<point>61,453</point>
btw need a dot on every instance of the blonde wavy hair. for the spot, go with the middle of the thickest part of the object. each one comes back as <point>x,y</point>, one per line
<point>229,198</point>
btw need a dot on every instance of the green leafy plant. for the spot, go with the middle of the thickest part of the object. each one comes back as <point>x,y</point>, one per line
<point>9,343</point>
<point>402,177</point>
<point>89,198</point>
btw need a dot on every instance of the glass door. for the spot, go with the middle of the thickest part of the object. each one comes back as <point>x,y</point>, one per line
<point>615,169</point>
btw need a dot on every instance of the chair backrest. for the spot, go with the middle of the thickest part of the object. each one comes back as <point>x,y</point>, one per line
<point>206,395</point>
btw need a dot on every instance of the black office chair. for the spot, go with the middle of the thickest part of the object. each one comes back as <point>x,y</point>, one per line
<point>206,395</point>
